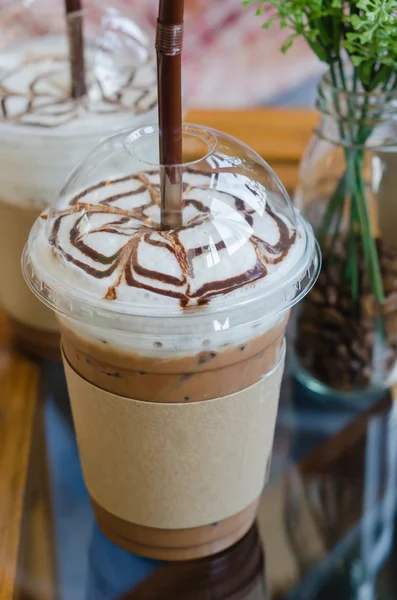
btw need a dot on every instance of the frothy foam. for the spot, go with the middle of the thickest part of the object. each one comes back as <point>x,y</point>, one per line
<point>105,244</point>
<point>35,88</point>
<point>47,133</point>
<point>107,239</point>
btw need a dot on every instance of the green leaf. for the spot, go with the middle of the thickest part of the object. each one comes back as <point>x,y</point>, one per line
<point>288,43</point>
<point>357,60</point>
<point>356,22</point>
<point>365,29</point>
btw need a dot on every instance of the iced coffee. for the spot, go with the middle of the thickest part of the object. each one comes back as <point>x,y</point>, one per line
<point>173,340</point>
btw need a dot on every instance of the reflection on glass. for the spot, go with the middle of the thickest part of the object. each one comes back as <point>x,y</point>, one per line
<point>340,516</point>
<point>112,571</point>
<point>238,574</point>
<point>305,535</point>
<point>380,501</point>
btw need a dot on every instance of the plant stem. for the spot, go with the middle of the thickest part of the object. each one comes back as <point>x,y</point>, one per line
<point>352,269</point>
<point>355,81</point>
<point>373,259</point>
<point>334,206</point>
<point>353,179</point>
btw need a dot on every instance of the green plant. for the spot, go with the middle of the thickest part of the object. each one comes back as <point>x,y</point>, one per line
<point>358,41</point>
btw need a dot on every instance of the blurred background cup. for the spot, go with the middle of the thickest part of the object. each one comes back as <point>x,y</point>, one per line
<point>45,132</point>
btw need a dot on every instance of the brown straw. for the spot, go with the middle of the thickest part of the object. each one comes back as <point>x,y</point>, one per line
<point>74,18</point>
<point>169,40</point>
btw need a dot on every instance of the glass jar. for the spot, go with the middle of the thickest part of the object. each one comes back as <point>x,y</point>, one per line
<point>345,333</point>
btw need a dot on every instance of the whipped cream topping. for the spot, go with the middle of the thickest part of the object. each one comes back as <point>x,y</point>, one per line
<point>106,243</point>
<point>44,132</point>
<point>35,87</point>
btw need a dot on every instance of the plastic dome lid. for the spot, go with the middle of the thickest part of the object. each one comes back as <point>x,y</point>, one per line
<point>241,243</point>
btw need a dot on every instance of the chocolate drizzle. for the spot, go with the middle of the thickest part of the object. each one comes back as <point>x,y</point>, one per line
<point>139,225</point>
<point>44,100</point>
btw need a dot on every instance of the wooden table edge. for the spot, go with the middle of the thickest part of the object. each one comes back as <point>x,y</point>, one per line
<point>18,407</point>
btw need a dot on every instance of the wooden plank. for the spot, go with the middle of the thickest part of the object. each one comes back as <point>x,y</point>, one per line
<point>18,397</point>
<point>36,577</point>
<point>287,173</point>
<point>4,333</point>
<point>276,134</point>
<point>280,136</point>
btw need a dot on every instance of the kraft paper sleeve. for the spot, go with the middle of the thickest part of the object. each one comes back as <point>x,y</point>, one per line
<point>15,296</point>
<point>175,466</point>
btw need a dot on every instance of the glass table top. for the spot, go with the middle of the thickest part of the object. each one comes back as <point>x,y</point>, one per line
<point>325,527</point>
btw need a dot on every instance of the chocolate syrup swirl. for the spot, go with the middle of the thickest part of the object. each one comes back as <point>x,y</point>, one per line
<point>138,225</point>
<point>44,99</point>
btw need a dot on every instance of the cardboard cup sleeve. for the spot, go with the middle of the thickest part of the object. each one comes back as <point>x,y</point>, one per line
<point>175,466</point>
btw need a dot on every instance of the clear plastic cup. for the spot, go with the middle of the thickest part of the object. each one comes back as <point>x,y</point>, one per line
<point>173,341</point>
<point>45,133</point>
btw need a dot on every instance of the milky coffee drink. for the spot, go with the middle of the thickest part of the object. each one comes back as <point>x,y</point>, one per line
<point>44,134</point>
<point>173,341</point>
